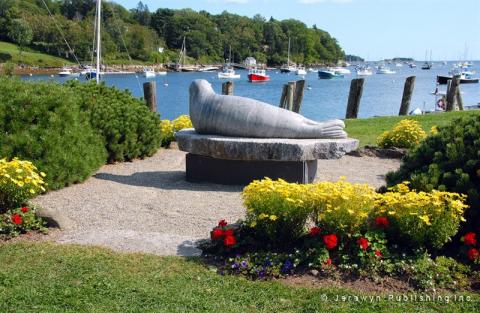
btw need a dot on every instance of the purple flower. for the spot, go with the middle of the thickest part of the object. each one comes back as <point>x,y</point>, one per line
<point>244,264</point>
<point>235,265</point>
<point>287,267</point>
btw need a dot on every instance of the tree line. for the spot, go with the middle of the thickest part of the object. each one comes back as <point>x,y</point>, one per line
<point>139,33</point>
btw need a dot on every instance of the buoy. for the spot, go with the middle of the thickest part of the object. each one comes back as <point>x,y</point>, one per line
<point>31,74</point>
<point>166,85</point>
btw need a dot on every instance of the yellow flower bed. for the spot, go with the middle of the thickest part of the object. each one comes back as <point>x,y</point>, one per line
<point>425,219</point>
<point>405,134</point>
<point>169,128</point>
<point>281,210</point>
<point>181,122</point>
<point>19,181</point>
<point>340,206</point>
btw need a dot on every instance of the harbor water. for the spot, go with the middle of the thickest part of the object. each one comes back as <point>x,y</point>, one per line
<point>323,99</point>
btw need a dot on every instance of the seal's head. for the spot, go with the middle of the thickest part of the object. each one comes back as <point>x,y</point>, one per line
<point>199,90</point>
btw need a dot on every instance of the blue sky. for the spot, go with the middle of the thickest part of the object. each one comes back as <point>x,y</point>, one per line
<point>370,28</point>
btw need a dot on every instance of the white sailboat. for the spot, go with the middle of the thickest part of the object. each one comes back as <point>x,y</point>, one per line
<point>287,68</point>
<point>90,73</point>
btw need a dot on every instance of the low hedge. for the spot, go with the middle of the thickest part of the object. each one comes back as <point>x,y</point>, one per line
<point>447,161</point>
<point>128,128</point>
<point>42,122</point>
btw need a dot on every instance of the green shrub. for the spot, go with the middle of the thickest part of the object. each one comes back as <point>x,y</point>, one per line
<point>42,122</point>
<point>405,134</point>
<point>129,129</point>
<point>450,161</point>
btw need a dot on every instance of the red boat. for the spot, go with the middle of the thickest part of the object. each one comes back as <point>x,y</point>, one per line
<point>257,75</point>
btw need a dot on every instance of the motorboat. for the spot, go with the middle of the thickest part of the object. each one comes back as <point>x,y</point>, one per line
<point>384,70</point>
<point>67,72</point>
<point>208,69</point>
<point>228,73</point>
<point>149,72</point>
<point>301,71</point>
<point>328,74</point>
<point>466,77</point>
<point>342,70</point>
<point>257,75</point>
<point>364,71</point>
<point>162,73</point>
<point>426,66</point>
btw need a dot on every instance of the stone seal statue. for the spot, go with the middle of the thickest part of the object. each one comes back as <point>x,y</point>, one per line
<point>244,117</point>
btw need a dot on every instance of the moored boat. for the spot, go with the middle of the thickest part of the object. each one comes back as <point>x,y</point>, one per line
<point>328,74</point>
<point>228,73</point>
<point>384,70</point>
<point>67,72</point>
<point>464,79</point>
<point>149,72</point>
<point>301,71</point>
<point>257,75</point>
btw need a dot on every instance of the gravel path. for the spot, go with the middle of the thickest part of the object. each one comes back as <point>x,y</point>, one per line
<point>147,206</point>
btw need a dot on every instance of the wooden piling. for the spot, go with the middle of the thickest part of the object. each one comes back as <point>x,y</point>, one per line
<point>407,95</point>
<point>290,95</point>
<point>150,95</point>
<point>458,99</point>
<point>298,96</point>
<point>356,90</point>
<point>451,92</point>
<point>227,88</point>
<point>283,98</point>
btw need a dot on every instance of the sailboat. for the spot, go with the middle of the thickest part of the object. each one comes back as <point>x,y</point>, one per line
<point>427,65</point>
<point>90,73</point>
<point>228,70</point>
<point>180,67</point>
<point>287,68</point>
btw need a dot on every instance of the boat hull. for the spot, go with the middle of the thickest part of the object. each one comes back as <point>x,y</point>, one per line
<point>328,75</point>
<point>258,78</point>
<point>443,80</point>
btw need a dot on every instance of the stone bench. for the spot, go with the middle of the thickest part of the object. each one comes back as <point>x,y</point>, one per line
<point>239,161</point>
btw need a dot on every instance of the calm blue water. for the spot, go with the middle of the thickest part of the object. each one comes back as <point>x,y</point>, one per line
<point>327,99</point>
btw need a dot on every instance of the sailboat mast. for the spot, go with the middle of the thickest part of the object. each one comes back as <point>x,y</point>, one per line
<point>99,18</point>
<point>288,56</point>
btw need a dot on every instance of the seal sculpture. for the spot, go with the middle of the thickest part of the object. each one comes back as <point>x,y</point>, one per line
<point>244,117</point>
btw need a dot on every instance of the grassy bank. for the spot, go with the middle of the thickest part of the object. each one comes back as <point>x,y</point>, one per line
<point>39,277</point>
<point>367,130</point>
<point>11,53</point>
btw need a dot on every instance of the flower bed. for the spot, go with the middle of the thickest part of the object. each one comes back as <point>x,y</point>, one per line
<point>19,182</point>
<point>292,228</point>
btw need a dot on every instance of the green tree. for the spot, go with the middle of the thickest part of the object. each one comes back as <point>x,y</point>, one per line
<point>20,33</point>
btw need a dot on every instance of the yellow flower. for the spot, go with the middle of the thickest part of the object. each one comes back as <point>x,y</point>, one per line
<point>426,219</point>
<point>273,217</point>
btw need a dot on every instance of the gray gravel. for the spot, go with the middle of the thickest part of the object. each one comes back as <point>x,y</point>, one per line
<point>147,206</point>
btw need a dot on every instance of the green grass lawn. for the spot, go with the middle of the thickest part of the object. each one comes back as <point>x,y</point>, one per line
<point>367,130</point>
<point>42,277</point>
<point>10,52</point>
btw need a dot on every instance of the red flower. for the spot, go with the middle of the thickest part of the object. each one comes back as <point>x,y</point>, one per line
<point>229,241</point>
<point>222,223</point>
<point>24,209</point>
<point>329,261</point>
<point>16,219</point>
<point>469,239</point>
<point>473,254</point>
<point>363,243</point>
<point>378,253</point>
<point>330,241</point>
<point>229,232</point>
<point>217,234</point>
<point>382,222</point>
<point>314,231</point>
